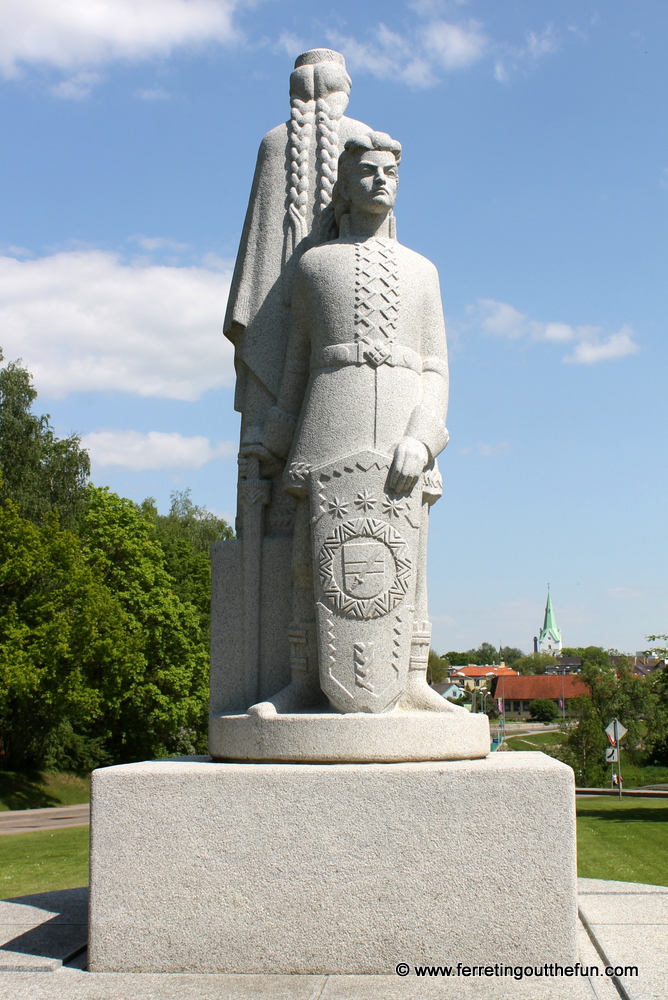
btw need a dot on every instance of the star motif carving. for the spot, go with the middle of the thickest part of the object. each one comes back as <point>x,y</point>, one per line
<point>393,506</point>
<point>365,500</point>
<point>338,508</point>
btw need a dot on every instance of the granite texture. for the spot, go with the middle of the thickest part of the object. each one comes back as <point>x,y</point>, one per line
<point>288,868</point>
<point>365,738</point>
<point>41,931</point>
<point>67,985</point>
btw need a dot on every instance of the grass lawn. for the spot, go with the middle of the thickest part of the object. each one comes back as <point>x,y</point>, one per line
<point>37,791</point>
<point>40,862</point>
<point>625,840</point>
<point>535,741</point>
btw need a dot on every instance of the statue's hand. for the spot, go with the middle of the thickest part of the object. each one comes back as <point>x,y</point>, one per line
<point>269,463</point>
<point>410,460</point>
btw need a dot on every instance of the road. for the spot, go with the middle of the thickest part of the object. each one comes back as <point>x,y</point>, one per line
<point>30,820</point>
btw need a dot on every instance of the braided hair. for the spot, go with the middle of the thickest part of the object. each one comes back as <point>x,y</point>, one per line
<point>300,129</point>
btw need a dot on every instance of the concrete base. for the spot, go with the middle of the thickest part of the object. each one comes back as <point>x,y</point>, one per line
<point>341,869</point>
<point>386,737</point>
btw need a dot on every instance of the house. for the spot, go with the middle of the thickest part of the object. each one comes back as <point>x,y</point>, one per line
<point>566,665</point>
<point>515,694</point>
<point>449,690</point>
<point>475,676</point>
<point>645,665</point>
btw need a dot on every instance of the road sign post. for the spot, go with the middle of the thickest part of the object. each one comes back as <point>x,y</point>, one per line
<point>615,732</point>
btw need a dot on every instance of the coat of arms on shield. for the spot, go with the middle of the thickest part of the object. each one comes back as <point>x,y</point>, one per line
<point>363,568</point>
<point>365,542</point>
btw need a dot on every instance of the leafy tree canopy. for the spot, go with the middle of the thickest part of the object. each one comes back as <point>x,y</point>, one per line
<point>543,710</point>
<point>185,536</point>
<point>104,606</point>
<point>437,668</point>
<point>584,746</point>
<point>100,660</point>
<point>510,655</point>
<point>40,472</point>
<point>535,663</point>
<point>485,653</point>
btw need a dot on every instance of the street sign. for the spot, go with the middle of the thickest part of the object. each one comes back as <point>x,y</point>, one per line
<point>612,755</point>
<point>615,732</point>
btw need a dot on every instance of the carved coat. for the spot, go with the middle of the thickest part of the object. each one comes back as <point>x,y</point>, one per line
<point>367,357</point>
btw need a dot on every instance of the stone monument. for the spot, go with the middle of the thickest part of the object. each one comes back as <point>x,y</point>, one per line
<point>321,613</point>
<point>348,819</point>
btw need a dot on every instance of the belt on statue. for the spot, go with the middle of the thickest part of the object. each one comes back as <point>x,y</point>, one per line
<point>366,353</point>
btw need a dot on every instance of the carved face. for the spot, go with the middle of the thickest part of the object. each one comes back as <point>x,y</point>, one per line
<point>371,181</point>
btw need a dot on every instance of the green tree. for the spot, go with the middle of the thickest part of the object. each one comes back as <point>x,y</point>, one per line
<point>456,659</point>
<point>617,693</point>
<point>165,709</point>
<point>437,668</point>
<point>510,655</point>
<point>535,663</point>
<point>543,710</point>
<point>584,746</point>
<point>64,642</point>
<point>185,536</point>
<point>40,472</point>
<point>485,653</point>
<point>100,660</point>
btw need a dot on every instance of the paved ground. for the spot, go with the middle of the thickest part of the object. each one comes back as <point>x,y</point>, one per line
<point>53,818</point>
<point>623,924</point>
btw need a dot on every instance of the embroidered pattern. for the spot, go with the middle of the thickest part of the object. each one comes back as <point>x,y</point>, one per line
<point>377,297</point>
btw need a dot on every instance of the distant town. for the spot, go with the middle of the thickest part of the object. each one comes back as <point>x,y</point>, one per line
<point>505,682</point>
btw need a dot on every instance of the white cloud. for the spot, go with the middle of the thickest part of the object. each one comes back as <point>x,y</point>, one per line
<point>593,349</point>
<point>292,45</point>
<point>541,43</point>
<point>455,46</point>
<point>499,319</point>
<point>85,321</point>
<point>415,57</point>
<point>155,450</point>
<point>67,34</point>
<point>155,94</point>
<point>537,44</point>
<point>153,243</point>
<point>77,87</point>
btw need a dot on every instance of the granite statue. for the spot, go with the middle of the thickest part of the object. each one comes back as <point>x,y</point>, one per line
<point>348,433</point>
<point>291,191</point>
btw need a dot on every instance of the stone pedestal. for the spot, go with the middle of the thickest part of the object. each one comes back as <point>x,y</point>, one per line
<point>344,868</point>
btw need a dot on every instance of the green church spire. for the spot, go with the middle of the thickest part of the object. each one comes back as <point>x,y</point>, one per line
<point>550,621</point>
<point>549,640</point>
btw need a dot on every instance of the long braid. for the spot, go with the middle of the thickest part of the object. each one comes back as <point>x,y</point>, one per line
<point>327,154</point>
<point>302,116</point>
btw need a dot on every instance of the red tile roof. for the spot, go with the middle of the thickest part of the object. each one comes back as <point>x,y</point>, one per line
<point>486,670</point>
<point>539,686</point>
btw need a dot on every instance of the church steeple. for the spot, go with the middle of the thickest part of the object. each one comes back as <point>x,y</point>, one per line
<point>549,639</point>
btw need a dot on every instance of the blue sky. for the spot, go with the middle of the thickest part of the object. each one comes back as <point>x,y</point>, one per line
<point>535,176</point>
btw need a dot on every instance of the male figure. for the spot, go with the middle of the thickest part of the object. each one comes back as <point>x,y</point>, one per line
<point>366,369</point>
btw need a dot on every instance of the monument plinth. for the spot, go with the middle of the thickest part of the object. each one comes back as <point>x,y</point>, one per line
<point>350,818</point>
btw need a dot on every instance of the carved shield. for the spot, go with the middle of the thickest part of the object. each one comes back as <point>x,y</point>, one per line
<point>365,543</point>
